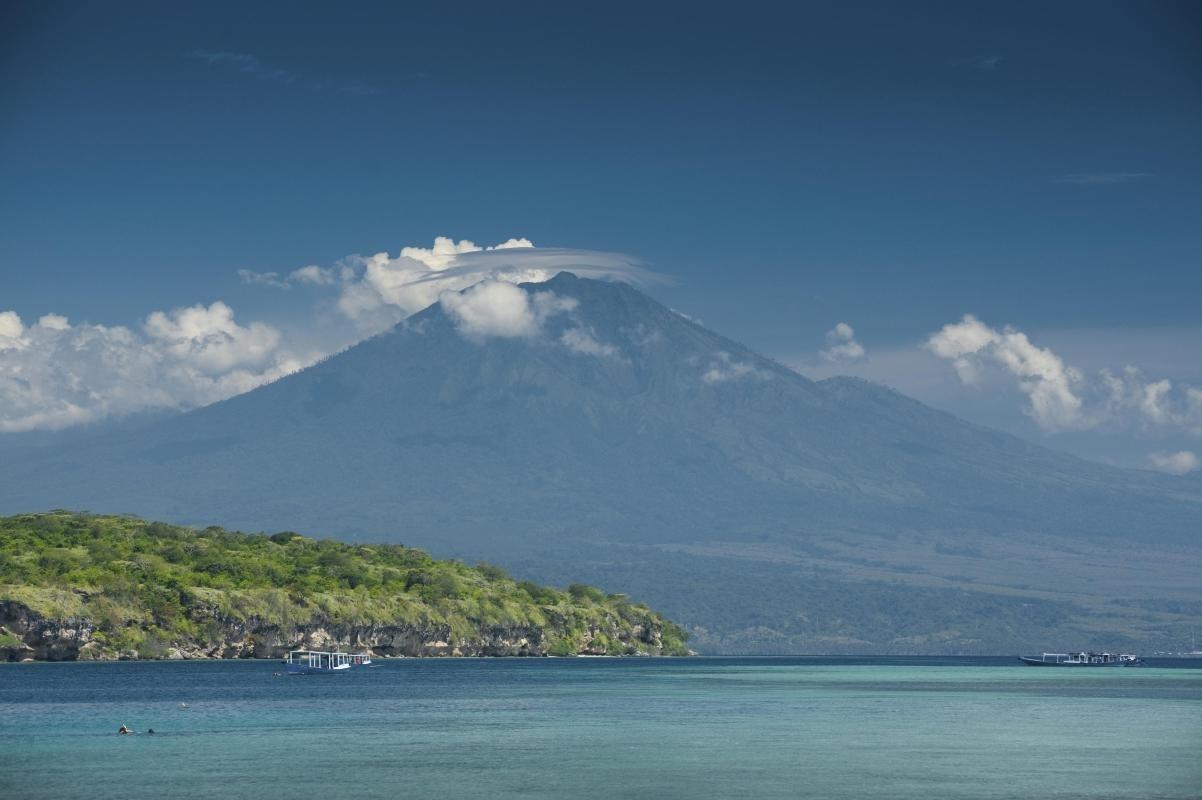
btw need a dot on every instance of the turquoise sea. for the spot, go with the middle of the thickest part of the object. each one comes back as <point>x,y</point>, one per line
<point>656,728</point>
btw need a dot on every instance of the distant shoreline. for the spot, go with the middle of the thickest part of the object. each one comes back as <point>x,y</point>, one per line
<point>817,660</point>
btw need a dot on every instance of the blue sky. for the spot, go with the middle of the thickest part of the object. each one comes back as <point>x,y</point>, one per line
<point>890,166</point>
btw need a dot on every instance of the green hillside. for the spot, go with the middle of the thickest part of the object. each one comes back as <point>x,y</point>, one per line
<point>84,586</point>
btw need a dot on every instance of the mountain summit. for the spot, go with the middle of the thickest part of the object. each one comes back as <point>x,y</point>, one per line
<point>579,430</point>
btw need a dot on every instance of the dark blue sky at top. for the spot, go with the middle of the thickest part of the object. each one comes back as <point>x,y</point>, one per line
<point>886,164</point>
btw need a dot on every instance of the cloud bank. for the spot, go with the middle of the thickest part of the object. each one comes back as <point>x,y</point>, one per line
<point>1050,385</point>
<point>1062,397</point>
<point>381,289</point>
<point>54,374</point>
<point>376,292</point>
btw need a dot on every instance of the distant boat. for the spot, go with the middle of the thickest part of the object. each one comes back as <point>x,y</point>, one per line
<point>360,659</point>
<point>1082,660</point>
<point>305,662</point>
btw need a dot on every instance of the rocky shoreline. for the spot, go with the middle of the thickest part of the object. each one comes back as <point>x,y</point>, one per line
<point>28,636</point>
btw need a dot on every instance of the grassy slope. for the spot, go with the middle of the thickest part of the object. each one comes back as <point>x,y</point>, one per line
<point>143,584</point>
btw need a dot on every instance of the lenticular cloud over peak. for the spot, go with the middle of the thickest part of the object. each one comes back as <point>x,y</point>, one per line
<point>378,291</point>
<point>55,374</point>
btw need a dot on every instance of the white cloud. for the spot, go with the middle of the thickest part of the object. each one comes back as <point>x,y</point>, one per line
<point>382,290</point>
<point>272,279</point>
<point>314,275</point>
<point>1177,463</point>
<point>724,368</point>
<point>961,342</point>
<point>1050,385</point>
<point>208,338</point>
<point>413,280</point>
<point>445,251</point>
<point>54,322</point>
<point>54,374</point>
<point>1155,401</point>
<point>582,341</point>
<point>11,331</point>
<point>501,309</point>
<point>377,291</point>
<point>1194,409</point>
<point>1060,396</point>
<point>1155,405</point>
<point>841,345</point>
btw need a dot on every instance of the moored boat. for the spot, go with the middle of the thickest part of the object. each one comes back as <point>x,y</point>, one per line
<point>1082,660</point>
<point>306,662</point>
<point>360,659</point>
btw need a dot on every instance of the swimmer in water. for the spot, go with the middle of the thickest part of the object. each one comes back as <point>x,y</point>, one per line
<point>124,730</point>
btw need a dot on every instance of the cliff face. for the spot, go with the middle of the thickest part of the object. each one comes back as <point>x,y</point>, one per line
<point>26,635</point>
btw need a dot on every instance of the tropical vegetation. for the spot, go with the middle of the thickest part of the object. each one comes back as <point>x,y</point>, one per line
<point>145,587</point>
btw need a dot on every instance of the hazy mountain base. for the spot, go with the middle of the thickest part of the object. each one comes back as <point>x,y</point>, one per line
<point>901,595</point>
<point>763,509</point>
<point>75,586</point>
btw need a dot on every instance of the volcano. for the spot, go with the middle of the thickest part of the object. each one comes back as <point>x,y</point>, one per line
<point>605,438</point>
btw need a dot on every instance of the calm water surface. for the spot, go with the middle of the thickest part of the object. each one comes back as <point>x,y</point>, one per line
<point>664,728</point>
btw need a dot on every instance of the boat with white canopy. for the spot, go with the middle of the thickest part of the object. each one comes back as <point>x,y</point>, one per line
<point>305,662</point>
<point>1082,660</point>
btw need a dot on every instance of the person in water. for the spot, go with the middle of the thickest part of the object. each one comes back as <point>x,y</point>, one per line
<point>124,730</point>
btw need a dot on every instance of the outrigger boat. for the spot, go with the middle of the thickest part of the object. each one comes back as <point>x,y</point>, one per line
<point>306,662</point>
<point>1082,660</point>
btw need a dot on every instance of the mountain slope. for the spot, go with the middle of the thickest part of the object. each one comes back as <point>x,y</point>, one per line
<point>627,445</point>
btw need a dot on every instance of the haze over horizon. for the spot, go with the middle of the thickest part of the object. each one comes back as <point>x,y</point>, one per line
<point>957,205</point>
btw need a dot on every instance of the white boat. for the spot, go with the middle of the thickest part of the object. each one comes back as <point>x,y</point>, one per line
<point>1082,660</point>
<point>305,662</point>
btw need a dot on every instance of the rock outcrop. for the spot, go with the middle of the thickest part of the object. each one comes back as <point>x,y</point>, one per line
<point>26,635</point>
